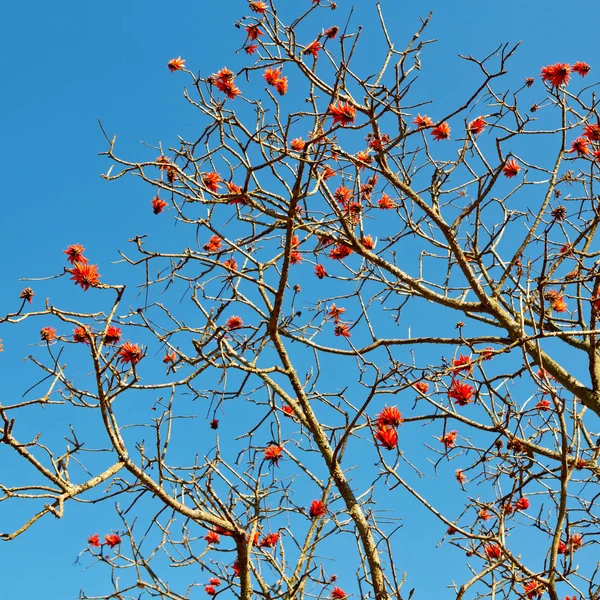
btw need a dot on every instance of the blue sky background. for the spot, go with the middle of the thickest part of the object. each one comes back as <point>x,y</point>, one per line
<point>66,64</point>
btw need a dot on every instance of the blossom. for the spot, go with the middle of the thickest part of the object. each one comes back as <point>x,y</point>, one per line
<point>487,353</point>
<point>460,476</point>
<point>562,547</point>
<point>235,567</point>
<point>422,121</point>
<point>214,581</point>
<point>313,48</point>
<point>511,168</point>
<point>522,504</point>
<point>441,132</point>
<point>231,263</point>
<point>339,251</point>
<point>484,514</point>
<point>258,7</point>
<point>269,541</point>
<point>211,181</point>
<point>342,113</point>
<point>342,330</point>
<point>295,257</point>
<point>281,85</point>
<point>592,132</point>
<point>449,439</point>
<point>476,126</point>
<point>335,312</point>
<point>493,551</point>
<point>460,392</point>
<point>158,204</point>
<point>581,68</point>
<point>287,410</point>
<point>320,271</point>
<point>363,157</point>
<point>254,32</point>
<point>47,334</point>
<point>580,145</point>
<point>297,144</point>
<point>113,335</point>
<point>85,275</point>
<point>342,195</point>
<point>385,202</point>
<point>251,48</point>
<point>368,242</point>
<point>27,295</point>
<point>462,363</point>
<point>176,64</point>
<point>543,405</point>
<point>75,254</point>
<point>163,162</point>
<point>80,335</point>
<point>390,416</point>
<point>171,174</point>
<point>338,593</point>
<point>169,358</point>
<point>272,75</point>
<point>317,509</point>
<point>387,437</point>
<point>94,540</point>
<point>210,590</point>
<point>532,589</point>
<point>327,173</point>
<point>421,386</point>
<point>224,82</point>
<point>212,538</point>
<point>576,541</point>
<point>273,454</point>
<point>112,540</point>
<point>214,424</point>
<point>559,305</point>
<point>238,196</point>
<point>130,353</point>
<point>378,143</point>
<point>557,74</point>
<point>234,323</point>
<point>529,81</point>
<point>331,33</point>
<point>213,244</point>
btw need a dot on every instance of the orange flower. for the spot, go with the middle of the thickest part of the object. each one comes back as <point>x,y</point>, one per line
<point>85,275</point>
<point>272,75</point>
<point>335,312</point>
<point>75,254</point>
<point>234,323</point>
<point>113,335</point>
<point>163,162</point>
<point>287,410</point>
<point>158,204</point>
<point>238,196</point>
<point>559,305</point>
<point>493,551</point>
<point>562,547</point>
<point>328,173</point>
<point>231,263</point>
<point>390,416</point>
<point>269,541</point>
<point>422,121</point>
<point>297,144</point>
<point>273,454</point>
<point>320,271</point>
<point>461,393</point>
<point>387,437</point>
<point>112,540</point>
<point>213,244</point>
<point>80,335</point>
<point>460,476</point>
<point>581,68</point>
<point>342,195</point>
<point>511,168</point>
<point>339,252</point>
<point>532,589</point>
<point>363,157</point>
<point>580,145</point>
<point>338,593</point>
<point>386,203</point>
<point>258,7</point>
<point>522,504</point>
<point>317,509</point>
<point>313,48</point>
<point>441,132</point>
<point>462,363</point>
<point>27,295</point>
<point>281,85</point>
<point>331,33</point>
<point>557,74</point>
<point>368,242</point>
<point>484,514</point>
<point>48,334</point>
<point>576,541</point>
<point>214,581</point>
<point>295,257</point>
<point>94,540</point>
<point>592,132</point>
<point>421,386</point>
<point>476,126</point>
<point>211,181</point>
<point>169,358</point>
<point>130,353</point>
<point>212,537</point>
<point>342,330</point>
<point>251,48</point>
<point>342,113</point>
<point>254,32</point>
<point>449,439</point>
<point>210,590</point>
<point>543,405</point>
<point>176,64</point>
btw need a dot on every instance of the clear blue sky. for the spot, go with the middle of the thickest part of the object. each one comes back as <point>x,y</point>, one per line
<point>68,63</point>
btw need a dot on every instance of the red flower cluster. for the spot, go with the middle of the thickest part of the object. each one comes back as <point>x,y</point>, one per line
<point>386,203</point>
<point>338,593</point>
<point>269,541</point>
<point>176,64</point>
<point>273,77</point>
<point>342,113</point>
<point>317,509</point>
<point>211,181</point>
<point>313,48</point>
<point>461,393</point>
<point>158,204</point>
<point>476,126</point>
<point>113,336</point>
<point>234,323</point>
<point>130,353</point>
<point>511,168</point>
<point>27,295</point>
<point>421,386</point>
<point>557,74</point>
<point>111,540</point>
<point>273,454</point>
<point>441,132</point>
<point>47,334</point>
<point>388,421</point>
<point>320,271</point>
<point>223,80</point>
<point>422,121</point>
<point>449,439</point>
<point>213,244</point>
<point>493,551</point>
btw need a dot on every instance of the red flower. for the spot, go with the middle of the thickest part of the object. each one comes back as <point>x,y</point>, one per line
<point>462,363</point>
<point>272,75</point>
<point>390,416</point>
<point>317,509</point>
<point>234,323</point>
<point>27,295</point>
<point>462,393</point>
<point>169,358</point>
<point>85,275</point>
<point>211,181</point>
<point>363,157</point>
<point>320,271</point>
<point>422,121</point>
<point>522,504</point>
<point>94,540</point>
<point>113,335</point>
<point>460,476</point>
<point>254,32</point>
<point>559,305</point>
<point>75,254</point>
<point>287,410</point>
<point>342,330</point>
<point>581,68</point>
<point>368,242</point>
<point>562,547</point>
<point>79,335</point>
<point>339,252</point>
<point>235,567</point>
<point>484,514</point>
<point>269,541</point>
<point>163,162</point>
<point>449,439</point>
<point>487,353</point>
<point>313,48</point>
<point>258,7</point>
<point>592,132</point>
<point>210,590</point>
<point>212,538</point>
<point>281,85</point>
<point>297,144</point>
<point>214,424</point>
<point>511,168</point>
<point>575,541</point>
<point>273,454</point>
<point>295,257</point>
<point>47,334</point>
<point>476,126</point>
<point>213,244</point>
<point>342,195</point>
<point>335,312</point>
<point>342,113</point>
<point>493,551</point>
<point>130,353</point>
<point>557,74</point>
<point>214,581</point>
<point>338,593</point>
<point>331,33</point>
<point>441,132</point>
<point>421,386</point>
<point>385,202</point>
<point>328,173</point>
<point>532,589</point>
<point>223,80</point>
<point>543,405</point>
<point>580,145</point>
<point>158,204</point>
<point>251,48</point>
<point>387,437</point>
<point>176,64</point>
<point>112,540</point>
<point>529,81</point>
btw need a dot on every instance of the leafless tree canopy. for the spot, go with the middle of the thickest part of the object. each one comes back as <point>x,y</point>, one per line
<point>371,303</point>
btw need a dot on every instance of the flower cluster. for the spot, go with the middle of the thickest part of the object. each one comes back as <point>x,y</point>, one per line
<point>111,540</point>
<point>388,421</point>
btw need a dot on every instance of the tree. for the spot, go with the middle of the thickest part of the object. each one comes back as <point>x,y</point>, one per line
<point>320,210</point>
